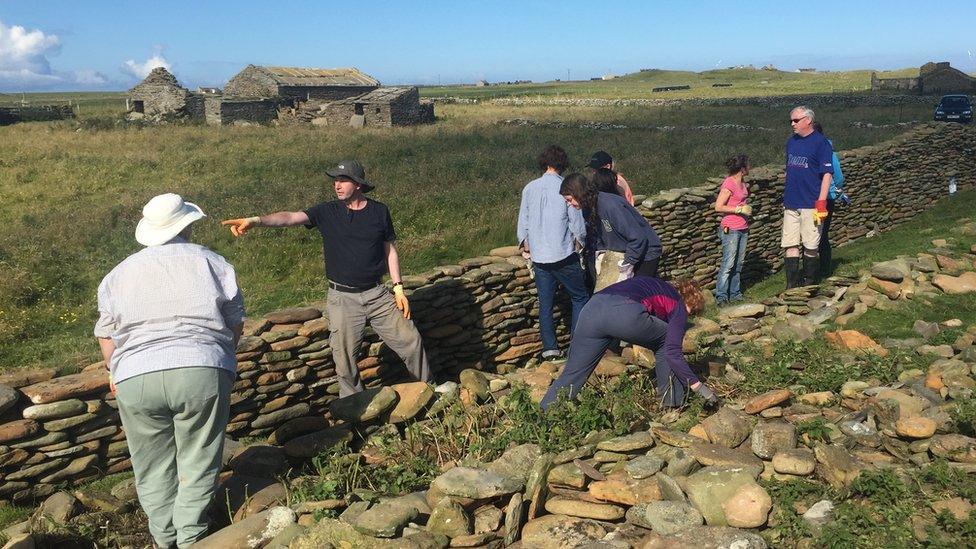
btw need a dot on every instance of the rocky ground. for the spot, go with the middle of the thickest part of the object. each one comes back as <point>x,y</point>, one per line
<point>828,437</point>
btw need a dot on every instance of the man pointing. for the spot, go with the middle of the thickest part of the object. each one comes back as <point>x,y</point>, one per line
<point>359,247</point>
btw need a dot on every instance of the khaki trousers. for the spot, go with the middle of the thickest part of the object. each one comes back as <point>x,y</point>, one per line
<point>174,424</point>
<point>348,315</point>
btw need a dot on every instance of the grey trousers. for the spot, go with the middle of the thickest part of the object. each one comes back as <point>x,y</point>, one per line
<point>174,424</point>
<point>348,314</point>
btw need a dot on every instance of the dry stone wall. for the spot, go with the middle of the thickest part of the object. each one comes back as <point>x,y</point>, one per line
<point>480,313</point>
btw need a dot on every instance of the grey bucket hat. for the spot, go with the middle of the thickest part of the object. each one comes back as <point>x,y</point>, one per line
<point>352,170</point>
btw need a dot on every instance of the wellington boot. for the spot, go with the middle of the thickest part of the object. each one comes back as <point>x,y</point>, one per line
<point>811,270</point>
<point>793,277</point>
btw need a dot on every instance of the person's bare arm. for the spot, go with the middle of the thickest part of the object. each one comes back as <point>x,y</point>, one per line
<point>721,203</point>
<point>278,219</point>
<point>392,261</point>
<point>107,347</point>
<point>825,185</point>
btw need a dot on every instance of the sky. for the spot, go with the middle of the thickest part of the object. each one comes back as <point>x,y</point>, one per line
<point>48,45</point>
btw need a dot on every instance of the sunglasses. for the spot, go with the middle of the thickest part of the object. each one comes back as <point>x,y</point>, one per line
<point>795,120</point>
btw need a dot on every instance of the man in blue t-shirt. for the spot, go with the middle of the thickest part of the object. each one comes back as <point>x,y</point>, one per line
<point>809,169</point>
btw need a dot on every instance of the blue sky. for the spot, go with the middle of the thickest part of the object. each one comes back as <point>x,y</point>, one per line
<point>95,44</point>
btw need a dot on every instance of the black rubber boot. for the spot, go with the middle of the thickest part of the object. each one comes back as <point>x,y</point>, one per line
<point>792,266</point>
<point>811,269</point>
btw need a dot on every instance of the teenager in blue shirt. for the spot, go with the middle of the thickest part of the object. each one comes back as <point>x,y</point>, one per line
<point>809,171</point>
<point>834,195</point>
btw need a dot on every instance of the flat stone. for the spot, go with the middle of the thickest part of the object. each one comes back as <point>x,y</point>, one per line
<point>772,437</point>
<point>476,383</point>
<point>280,416</point>
<point>727,427</point>
<point>709,489</point>
<point>254,531</point>
<point>560,531</point>
<point>28,376</point>
<point>55,410</point>
<point>744,310</point>
<point>665,517</point>
<point>73,469</point>
<point>953,447</point>
<point>644,466</point>
<point>962,284</point>
<point>626,491</point>
<point>584,509</point>
<point>450,519</point>
<point>675,438</point>
<point>487,518</point>
<point>516,462</point>
<point>15,430</point>
<point>293,316</point>
<point>893,271</point>
<point>641,440</point>
<point>36,470</point>
<point>797,461</point>
<point>707,537</point>
<point>125,490</point>
<point>718,455</point>
<point>58,509</point>
<point>312,444</point>
<point>957,507</point>
<point>767,400</point>
<point>852,340</point>
<point>475,483</point>
<point>297,427</point>
<point>837,466</point>
<point>68,387</point>
<point>567,474</point>
<point>514,519</point>
<point>387,518</point>
<point>65,423</point>
<point>412,399</point>
<point>915,427</point>
<point>748,507</point>
<point>365,405</point>
<point>259,460</point>
<point>819,513</point>
<point>8,397</point>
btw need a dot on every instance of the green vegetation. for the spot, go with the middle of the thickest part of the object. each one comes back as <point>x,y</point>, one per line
<point>745,83</point>
<point>72,193</point>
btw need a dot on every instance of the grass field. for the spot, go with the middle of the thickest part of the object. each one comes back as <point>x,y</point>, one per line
<point>744,83</point>
<point>71,192</point>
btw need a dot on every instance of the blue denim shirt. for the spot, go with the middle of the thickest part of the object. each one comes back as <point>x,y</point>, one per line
<point>546,223</point>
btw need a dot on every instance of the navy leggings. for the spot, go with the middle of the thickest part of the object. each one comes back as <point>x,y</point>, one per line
<point>606,318</point>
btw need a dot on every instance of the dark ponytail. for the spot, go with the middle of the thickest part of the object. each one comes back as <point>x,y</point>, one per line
<point>737,163</point>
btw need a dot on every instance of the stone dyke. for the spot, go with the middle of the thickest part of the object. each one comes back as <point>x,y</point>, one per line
<point>479,314</point>
<point>785,101</point>
<point>37,113</point>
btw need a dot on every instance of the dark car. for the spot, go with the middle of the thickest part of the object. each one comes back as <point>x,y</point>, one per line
<point>954,108</point>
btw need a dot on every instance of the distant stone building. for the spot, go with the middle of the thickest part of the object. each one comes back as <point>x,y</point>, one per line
<point>209,91</point>
<point>481,84</point>
<point>384,107</point>
<point>160,97</point>
<point>293,84</point>
<point>934,78</point>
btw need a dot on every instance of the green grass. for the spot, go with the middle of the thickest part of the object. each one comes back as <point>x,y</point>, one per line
<point>910,237</point>
<point>745,83</point>
<point>71,193</point>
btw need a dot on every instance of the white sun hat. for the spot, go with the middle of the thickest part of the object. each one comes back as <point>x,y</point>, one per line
<point>164,217</point>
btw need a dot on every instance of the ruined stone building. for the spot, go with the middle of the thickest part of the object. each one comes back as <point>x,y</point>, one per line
<point>293,84</point>
<point>264,95</point>
<point>160,97</point>
<point>934,78</point>
<point>384,107</point>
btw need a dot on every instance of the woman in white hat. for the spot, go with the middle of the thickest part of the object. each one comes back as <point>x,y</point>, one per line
<point>170,316</point>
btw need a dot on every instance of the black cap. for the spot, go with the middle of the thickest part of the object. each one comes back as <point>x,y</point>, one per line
<point>599,159</point>
<point>352,170</point>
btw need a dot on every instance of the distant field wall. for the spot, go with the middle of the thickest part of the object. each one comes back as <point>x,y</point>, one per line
<point>480,313</point>
<point>39,113</point>
<point>779,101</point>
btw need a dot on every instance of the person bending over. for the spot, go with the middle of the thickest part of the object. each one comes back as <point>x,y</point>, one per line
<point>646,311</point>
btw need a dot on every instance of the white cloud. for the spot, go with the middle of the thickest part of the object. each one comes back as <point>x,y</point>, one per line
<point>142,70</point>
<point>24,63</point>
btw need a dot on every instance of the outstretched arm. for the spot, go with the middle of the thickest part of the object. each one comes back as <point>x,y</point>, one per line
<point>278,219</point>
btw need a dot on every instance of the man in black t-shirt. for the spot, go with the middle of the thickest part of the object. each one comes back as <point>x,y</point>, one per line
<point>358,243</point>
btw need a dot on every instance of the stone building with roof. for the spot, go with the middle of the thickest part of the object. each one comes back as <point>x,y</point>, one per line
<point>934,78</point>
<point>293,84</point>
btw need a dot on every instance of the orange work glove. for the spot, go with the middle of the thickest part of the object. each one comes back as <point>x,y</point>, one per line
<point>240,226</point>
<point>401,300</point>
<point>821,212</point>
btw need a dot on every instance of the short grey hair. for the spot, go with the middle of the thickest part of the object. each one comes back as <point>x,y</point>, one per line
<point>807,112</point>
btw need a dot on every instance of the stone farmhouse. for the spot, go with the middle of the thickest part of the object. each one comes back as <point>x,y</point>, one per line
<point>264,95</point>
<point>934,78</point>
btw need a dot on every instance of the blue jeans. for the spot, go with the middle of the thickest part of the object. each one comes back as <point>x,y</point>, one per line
<point>547,275</point>
<point>729,283</point>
